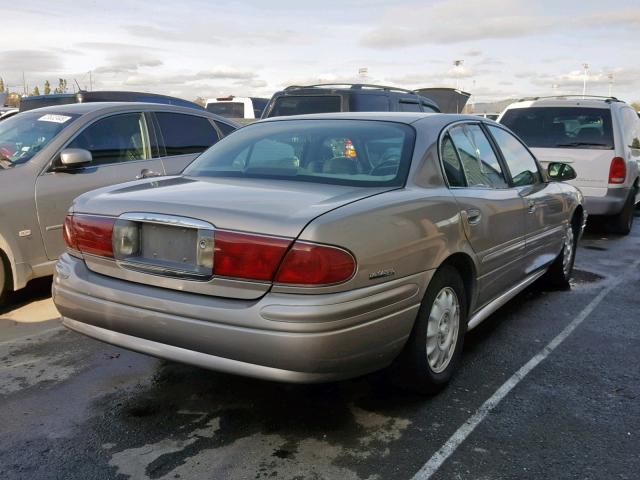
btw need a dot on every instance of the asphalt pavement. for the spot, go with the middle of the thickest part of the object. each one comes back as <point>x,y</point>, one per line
<point>549,388</point>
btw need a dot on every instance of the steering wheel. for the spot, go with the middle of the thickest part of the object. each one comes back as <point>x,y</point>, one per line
<point>388,167</point>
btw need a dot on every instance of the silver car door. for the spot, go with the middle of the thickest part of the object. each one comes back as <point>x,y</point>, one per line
<point>492,212</point>
<point>120,148</point>
<point>546,217</point>
<point>182,138</point>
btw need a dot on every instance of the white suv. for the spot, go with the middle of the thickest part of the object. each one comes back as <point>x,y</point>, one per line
<point>237,107</point>
<point>599,136</point>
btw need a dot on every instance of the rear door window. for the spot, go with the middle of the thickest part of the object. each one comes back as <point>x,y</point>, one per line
<point>521,164</point>
<point>561,127</point>
<point>115,139</point>
<point>185,134</point>
<point>369,103</point>
<point>303,104</point>
<point>225,128</point>
<point>451,163</point>
<point>409,107</point>
<point>479,162</point>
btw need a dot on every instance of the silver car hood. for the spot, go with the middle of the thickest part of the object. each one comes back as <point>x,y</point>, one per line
<point>275,207</point>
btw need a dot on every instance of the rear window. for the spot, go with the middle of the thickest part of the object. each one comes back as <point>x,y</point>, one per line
<point>303,104</point>
<point>369,103</point>
<point>561,127</point>
<point>342,152</point>
<point>227,109</point>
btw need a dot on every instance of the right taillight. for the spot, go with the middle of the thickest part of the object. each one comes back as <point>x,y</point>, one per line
<point>617,170</point>
<point>312,264</point>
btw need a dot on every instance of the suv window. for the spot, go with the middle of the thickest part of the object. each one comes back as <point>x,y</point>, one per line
<point>185,134</point>
<point>428,108</point>
<point>227,109</point>
<point>115,139</point>
<point>521,164</point>
<point>369,103</point>
<point>631,128</point>
<point>561,127</point>
<point>451,163</point>
<point>225,128</point>
<point>479,162</point>
<point>303,104</point>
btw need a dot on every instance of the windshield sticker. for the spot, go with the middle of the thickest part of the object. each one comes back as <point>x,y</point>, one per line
<point>54,118</point>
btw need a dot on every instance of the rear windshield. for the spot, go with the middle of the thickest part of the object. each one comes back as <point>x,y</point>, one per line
<point>369,103</point>
<point>303,104</point>
<point>561,127</point>
<point>227,109</point>
<point>342,152</point>
<point>25,134</point>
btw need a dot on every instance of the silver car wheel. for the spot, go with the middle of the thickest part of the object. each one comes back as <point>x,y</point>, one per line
<point>442,329</point>
<point>567,253</point>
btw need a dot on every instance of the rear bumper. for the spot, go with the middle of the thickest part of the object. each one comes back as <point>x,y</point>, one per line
<point>610,204</point>
<point>284,337</point>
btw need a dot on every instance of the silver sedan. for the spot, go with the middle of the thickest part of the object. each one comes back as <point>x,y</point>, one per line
<point>322,247</point>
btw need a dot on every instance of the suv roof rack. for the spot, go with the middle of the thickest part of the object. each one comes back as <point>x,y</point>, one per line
<point>353,86</point>
<point>586,97</point>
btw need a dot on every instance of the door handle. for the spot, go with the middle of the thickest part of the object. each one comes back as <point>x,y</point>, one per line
<point>146,173</point>
<point>531,206</point>
<point>473,216</point>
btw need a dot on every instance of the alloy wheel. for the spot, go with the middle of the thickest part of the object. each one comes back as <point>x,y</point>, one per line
<point>442,329</point>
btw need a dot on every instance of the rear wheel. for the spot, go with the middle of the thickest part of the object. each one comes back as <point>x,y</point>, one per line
<point>433,351</point>
<point>623,222</point>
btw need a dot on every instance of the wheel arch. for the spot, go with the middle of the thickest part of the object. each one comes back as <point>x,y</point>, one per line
<point>465,266</point>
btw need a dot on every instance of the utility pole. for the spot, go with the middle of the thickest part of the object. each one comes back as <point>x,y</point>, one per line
<point>610,77</point>
<point>90,81</point>
<point>457,64</point>
<point>585,72</point>
<point>24,85</point>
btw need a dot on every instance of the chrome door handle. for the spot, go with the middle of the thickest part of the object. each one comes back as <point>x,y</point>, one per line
<point>473,216</point>
<point>146,173</point>
<point>532,206</point>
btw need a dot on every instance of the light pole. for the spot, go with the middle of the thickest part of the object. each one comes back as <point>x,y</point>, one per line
<point>585,70</point>
<point>457,64</point>
<point>610,77</point>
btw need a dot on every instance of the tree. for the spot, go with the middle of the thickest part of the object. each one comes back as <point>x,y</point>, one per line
<point>13,99</point>
<point>47,87</point>
<point>1,85</point>
<point>634,105</point>
<point>62,86</point>
<point>36,91</point>
<point>200,101</point>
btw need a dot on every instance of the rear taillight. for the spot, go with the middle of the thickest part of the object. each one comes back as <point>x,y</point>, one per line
<point>89,234</point>
<point>248,256</point>
<point>311,264</point>
<point>617,171</point>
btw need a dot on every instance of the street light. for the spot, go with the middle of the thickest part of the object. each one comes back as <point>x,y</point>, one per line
<point>585,70</point>
<point>457,67</point>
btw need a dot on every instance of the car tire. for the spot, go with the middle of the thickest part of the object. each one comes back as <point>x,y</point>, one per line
<point>623,222</point>
<point>559,274</point>
<point>433,350</point>
<point>4,281</point>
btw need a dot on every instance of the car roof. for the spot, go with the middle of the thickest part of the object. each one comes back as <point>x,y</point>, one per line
<point>398,117</point>
<point>568,101</point>
<point>90,107</point>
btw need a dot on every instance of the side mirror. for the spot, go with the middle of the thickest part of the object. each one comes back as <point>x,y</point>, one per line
<point>75,157</point>
<point>561,172</point>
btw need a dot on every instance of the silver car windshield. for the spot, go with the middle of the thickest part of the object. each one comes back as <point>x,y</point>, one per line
<point>25,134</point>
<point>343,152</point>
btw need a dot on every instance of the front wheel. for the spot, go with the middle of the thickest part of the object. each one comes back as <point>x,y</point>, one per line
<point>433,351</point>
<point>4,282</point>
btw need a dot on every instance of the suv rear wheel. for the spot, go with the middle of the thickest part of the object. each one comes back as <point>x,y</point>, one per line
<point>433,351</point>
<point>623,222</point>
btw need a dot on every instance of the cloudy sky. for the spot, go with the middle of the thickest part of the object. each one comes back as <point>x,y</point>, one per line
<point>209,48</point>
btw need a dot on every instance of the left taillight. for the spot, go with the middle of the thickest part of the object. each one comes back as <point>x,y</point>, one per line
<point>90,234</point>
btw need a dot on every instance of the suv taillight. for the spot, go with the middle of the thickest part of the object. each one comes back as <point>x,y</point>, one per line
<point>617,171</point>
<point>89,234</point>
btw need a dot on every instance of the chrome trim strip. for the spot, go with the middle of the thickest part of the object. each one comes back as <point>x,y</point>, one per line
<point>163,219</point>
<point>545,233</point>
<point>164,271</point>
<point>53,227</point>
<point>509,248</point>
<point>482,314</point>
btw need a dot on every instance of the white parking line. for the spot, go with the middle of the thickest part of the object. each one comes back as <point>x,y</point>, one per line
<point>460,435</point>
